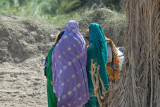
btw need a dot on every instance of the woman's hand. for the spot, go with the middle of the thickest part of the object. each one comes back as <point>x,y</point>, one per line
<point>52,83</point>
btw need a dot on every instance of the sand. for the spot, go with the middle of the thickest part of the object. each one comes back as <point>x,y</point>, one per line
<point>22,87</point>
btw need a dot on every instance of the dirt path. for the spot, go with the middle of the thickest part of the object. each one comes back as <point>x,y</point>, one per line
<point>22,88</point>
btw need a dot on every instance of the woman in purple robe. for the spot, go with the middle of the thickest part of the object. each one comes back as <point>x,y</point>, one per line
<point>69,68</point>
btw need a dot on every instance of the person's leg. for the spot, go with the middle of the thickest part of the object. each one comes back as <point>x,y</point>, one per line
<point>52,99</point>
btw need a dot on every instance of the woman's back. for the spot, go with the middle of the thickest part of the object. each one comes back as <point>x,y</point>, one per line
<point>97,51</point>
<point>69,68</point>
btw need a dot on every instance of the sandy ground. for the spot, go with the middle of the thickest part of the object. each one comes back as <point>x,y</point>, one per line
<point>23,46</point>
<point>22,87</point>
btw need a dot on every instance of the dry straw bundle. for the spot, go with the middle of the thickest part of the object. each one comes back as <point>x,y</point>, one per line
<point>140,79</point>
<point>104,97</point>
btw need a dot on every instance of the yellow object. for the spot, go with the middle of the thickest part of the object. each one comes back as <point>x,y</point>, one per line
<point>113,68</point>
<point>87,32</point>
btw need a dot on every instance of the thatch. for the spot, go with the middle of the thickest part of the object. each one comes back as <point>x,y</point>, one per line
<point>140,80</point>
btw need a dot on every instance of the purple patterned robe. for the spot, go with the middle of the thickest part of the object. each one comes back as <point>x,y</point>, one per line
<point>69,68</point>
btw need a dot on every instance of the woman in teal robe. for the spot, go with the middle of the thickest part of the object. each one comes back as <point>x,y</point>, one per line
<point>97,51</point>
<point>52,99</point>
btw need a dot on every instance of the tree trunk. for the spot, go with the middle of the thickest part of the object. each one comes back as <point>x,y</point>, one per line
<point>140,84</point>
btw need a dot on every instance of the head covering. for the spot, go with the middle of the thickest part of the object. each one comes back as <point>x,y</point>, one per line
<point>97,51</point>
<point>96,33</point>
<point>69,68</point>
<point>59,37</point>
<point>61,34</point>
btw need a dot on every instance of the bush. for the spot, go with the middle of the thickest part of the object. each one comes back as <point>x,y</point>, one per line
<point>53,7</point>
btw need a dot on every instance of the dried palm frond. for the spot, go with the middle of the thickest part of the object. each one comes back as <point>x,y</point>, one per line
<point>104,97</point>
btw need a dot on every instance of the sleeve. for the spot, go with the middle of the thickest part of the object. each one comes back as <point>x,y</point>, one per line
<point>49,62</point>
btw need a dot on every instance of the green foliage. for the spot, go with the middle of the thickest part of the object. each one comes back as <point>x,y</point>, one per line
<point>53,11</point>
<point>63,6</point>
<point>52,7</point>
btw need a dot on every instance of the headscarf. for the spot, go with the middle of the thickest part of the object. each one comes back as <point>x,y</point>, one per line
<point>97,51</point>
<point>61,34</point>
<point>69,68</point>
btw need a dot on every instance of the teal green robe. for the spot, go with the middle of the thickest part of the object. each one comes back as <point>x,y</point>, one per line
<point>97,51</point>
<point>52,99</point>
